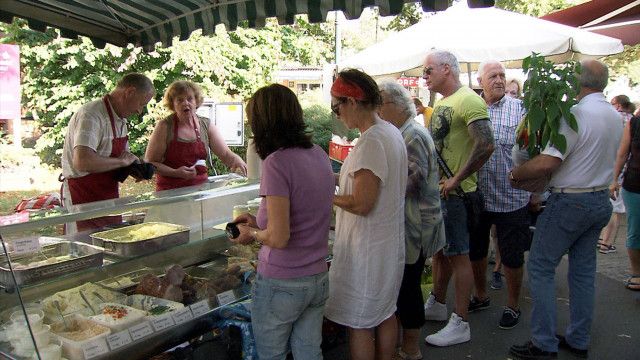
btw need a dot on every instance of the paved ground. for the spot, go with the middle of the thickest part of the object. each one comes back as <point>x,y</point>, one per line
<point>615,331</point>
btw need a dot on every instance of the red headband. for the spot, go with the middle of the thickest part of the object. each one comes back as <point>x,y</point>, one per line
<point>341,88</point>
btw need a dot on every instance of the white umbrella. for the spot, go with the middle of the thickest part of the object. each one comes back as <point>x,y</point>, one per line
<point>475,35</point>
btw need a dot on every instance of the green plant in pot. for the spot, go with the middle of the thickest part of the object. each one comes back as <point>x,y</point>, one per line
<point>549,93</point>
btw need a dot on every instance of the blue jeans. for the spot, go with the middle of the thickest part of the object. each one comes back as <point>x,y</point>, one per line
<point>570,222</point>
<point>289,312</point>
<point>632,203</point>
<point>454,215</point>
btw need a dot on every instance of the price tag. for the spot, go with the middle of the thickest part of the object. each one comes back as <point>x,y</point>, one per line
<point>226,297</point>
<point>94,348</point>
<point>22,246</point>
<point>141,330</point>
<point>119,340</point>
<point>182,315</point>
<point>200,308</point>
<point>162,322</point>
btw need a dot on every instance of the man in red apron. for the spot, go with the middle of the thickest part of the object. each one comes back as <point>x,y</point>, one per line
<point>96,144</point>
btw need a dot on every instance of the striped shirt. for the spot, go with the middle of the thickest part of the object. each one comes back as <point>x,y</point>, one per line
<point>493,177</point>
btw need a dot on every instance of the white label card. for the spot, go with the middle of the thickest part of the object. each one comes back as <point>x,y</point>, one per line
<point>94,348</point>
<point>22,246</point>
<point>162,322</point>
<point>226,297</point>
<point>200,308</point>
<point>141,330</point>
<point>182,315</point>
<point>119,340</point>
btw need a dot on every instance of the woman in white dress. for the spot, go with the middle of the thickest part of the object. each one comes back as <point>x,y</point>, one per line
<point>368,254</point>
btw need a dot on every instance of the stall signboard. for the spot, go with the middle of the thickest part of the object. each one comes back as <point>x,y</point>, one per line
<point>228,118</point>
<point>9,81</point>
<point>408,81</point>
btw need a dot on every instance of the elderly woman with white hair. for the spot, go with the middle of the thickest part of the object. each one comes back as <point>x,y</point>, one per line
<point>424,228</point>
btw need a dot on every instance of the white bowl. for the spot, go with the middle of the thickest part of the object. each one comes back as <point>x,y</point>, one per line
<point>42,336</point>
<point>35,319</point>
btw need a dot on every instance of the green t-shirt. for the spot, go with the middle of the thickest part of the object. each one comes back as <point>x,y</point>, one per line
<point>448,127</point>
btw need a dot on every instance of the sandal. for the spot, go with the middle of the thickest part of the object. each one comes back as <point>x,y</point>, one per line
<point>606,249</point>
<point>633,283</point>
<point>404,356</point>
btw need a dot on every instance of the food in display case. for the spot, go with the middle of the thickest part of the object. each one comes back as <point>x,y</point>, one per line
<point>151,305</point>
<point>76,331</point>
<point>70,301</point>
<point>128,280</point>
<point>51,261</point>
<point>249,252</point>
<point>141,239</point>
<point>118,317</point>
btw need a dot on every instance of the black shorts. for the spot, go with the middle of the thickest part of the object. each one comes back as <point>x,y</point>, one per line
<point>410,306</point>
<point>512,232</point>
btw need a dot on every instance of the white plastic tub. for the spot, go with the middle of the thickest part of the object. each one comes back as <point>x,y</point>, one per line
<point>81,332</point>
<point>118,317</point>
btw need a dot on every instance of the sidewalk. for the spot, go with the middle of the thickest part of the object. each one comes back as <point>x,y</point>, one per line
<point>615,331</point>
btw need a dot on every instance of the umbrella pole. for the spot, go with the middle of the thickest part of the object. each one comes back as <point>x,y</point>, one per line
<point>469,74</point>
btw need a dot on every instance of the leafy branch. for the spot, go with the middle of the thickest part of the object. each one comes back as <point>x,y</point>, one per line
<point>549,93</point>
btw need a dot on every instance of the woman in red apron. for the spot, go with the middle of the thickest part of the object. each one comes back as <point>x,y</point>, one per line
<point>179,143</point>
<point>99,186</point>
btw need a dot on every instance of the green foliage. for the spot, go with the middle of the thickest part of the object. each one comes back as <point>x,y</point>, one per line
<point>411,14</point>
<point>59,75</point>
<point>535,8</point>
<point>549,93</point>
<point>626,63</point>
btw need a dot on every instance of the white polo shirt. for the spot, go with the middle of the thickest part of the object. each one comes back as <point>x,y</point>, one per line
<point>90,127</point>
<point>591,152</point>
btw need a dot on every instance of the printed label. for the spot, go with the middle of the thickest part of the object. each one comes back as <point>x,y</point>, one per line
<point>119,340</point>
<point>182,315</point>
<point>141,330</point>
<point>226,297</point>
<point>94,349</point>
<point>200,308</point>
<point>162,322</point>
<point>22,246</point>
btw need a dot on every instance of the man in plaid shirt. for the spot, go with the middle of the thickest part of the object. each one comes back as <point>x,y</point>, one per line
<point>505,207</point>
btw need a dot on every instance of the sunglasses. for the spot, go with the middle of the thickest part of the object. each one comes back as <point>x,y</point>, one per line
<point>427,71</point>
<point>335,107</point>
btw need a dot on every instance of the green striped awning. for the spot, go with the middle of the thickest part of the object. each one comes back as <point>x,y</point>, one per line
<point>147,22</point>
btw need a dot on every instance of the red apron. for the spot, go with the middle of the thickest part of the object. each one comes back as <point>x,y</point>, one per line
<point>99,186</point>
<point>180,153</point>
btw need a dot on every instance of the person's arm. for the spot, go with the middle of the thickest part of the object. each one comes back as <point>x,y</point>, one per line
<point>483,145</point>
<point>155,154</point>
<point>366,190</point>
<point>621,158</point>
<point>87,160</point>
<point>232,160</point>
<point>541,166</point>
<point>278,231</point>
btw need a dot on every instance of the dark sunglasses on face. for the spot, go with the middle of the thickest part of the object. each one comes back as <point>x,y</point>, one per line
<point>427,71</point>
<point>335,107</point>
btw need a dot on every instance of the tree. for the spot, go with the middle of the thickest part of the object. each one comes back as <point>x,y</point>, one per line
<point>59,75</point>
<point>411,14</point>
<point>535,8</point>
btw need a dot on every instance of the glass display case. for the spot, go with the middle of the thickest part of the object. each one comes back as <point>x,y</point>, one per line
<point>149,279</point>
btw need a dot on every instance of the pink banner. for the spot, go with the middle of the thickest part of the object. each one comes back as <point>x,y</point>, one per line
<point>9,81</point>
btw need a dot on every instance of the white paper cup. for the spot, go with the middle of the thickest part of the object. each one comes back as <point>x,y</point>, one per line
<point>200,163</point>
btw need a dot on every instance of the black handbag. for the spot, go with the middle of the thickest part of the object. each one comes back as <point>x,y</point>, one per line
<point>473,201</point>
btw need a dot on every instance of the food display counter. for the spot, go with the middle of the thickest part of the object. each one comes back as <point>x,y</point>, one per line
<point>129,290</point>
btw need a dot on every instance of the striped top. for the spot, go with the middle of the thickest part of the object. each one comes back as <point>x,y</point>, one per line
<point>493,177</point>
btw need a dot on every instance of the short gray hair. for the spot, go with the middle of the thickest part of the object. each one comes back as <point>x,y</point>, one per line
<point>140,82</point>
<point>400,96</point>
<point>484,64</point>
<point>446,57</point>
<point>594,75</point>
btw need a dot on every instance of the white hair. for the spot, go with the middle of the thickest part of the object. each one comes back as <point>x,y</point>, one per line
<point>400,96</point>
<point>446,57</point>
<point>484,64</point>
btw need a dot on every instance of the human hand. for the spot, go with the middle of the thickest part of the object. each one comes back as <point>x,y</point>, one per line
<point>186,172</point>
<point>246,219</point>
<point>127,158</point>
<point>614,190</point>
<point>241,169</point>
<point>246,236</point>
<point>447,186</point>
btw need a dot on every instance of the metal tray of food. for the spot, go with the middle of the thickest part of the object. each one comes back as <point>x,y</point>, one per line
<point>141,239</point>
<point>51,261</point>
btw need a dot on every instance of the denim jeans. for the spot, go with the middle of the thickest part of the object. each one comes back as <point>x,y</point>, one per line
<point>454,215</point>
<point>570,222</point>
<point>288,312</point>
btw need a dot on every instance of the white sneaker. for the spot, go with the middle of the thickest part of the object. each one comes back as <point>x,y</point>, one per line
<point>457,331</point>
<point>434,310</point>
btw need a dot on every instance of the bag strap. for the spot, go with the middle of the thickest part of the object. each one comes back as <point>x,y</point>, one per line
<point>448,173</point>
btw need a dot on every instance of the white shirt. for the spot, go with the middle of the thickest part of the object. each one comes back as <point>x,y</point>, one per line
<point>90,127</point>
<point>591,152</point>
<point>368,253</point>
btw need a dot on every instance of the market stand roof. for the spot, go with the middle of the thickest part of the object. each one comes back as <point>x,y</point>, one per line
<point>147,22</point>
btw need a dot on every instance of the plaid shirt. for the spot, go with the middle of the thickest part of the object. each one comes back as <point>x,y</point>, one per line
<point>493,177</point>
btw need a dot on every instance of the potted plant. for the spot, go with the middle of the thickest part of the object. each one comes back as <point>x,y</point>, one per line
<point>549,93</point>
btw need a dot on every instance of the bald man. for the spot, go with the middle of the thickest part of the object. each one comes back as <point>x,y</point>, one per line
<point>576,212</point>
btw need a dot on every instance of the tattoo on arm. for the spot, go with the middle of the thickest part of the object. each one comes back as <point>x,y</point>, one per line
<point>482,134</point>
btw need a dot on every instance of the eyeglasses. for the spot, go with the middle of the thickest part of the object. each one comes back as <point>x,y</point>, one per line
<point>335,107</point>
<point>427,71</point>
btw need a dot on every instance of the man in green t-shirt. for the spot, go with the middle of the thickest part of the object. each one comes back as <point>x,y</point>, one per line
<point>462,133</point>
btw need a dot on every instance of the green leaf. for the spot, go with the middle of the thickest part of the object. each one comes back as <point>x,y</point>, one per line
<point>559,142</point>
